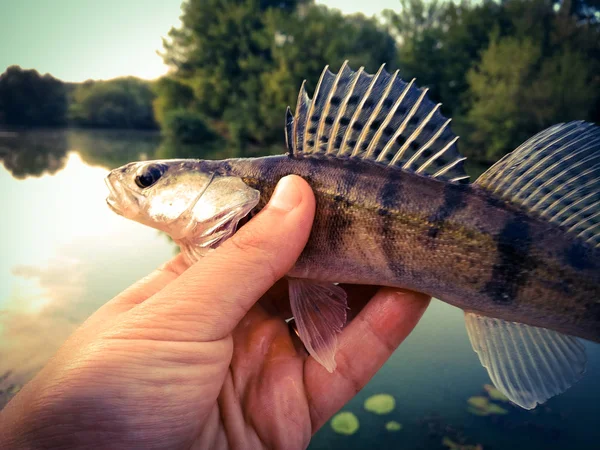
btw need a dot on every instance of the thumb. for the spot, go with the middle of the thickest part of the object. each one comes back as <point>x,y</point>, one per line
<point>209,299</point>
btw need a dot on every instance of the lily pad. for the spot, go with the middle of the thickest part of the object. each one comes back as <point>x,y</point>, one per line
<point>393,426</point>
<point>479,402</point>
<point>345,423</point>
<point>380,404</point>
<point>477,412</point>
<point>495,394</point>
<point>447,442</point>
<point>496,409</point>
<point>481,406</point>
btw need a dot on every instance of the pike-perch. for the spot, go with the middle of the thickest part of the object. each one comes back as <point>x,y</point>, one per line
<point>518,250</point>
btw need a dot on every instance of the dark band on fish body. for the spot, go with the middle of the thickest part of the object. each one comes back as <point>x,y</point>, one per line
<point>577,256</point>
<point>513,264</point>
<point>340,218</point>
<point>311,171</point>
<point>454,201</point>
<point>593,308</point>
<point>388,197</point>
<point>495,202</point>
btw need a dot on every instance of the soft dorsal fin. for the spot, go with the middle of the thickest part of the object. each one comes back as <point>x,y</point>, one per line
<point>378,118</point>
<point>555,174</point>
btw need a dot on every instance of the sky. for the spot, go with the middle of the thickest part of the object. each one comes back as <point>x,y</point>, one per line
<point>76,40</point>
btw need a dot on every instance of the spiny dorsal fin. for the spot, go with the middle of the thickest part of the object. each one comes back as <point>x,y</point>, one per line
<point>555,174</point>
<point>527,364</point>
<point>378,118</point>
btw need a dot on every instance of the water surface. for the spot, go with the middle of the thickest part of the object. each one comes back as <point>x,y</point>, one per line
<point>64,253</point>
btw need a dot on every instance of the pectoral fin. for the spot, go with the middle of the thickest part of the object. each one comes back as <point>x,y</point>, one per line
<point>527,364</point>
<point>320,313</point>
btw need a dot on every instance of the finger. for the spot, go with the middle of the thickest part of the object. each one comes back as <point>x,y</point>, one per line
<point>138,292</point>
<point>363,347</point>
<point>152,283</point>
<point>211,297</point>
<point>260,340</point>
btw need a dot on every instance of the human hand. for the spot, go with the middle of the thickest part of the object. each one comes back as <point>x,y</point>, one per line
<point>187,358</point>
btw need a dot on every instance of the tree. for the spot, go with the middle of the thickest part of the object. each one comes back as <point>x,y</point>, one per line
<point>307,42</point>
<point>170,94</point>
<point>440,42</point>
<point>245,61</point>
<point>499,86</point>
<point>119,103</point>
<point>220,52</point>
<point>544,72</point>
<point>30,99</point>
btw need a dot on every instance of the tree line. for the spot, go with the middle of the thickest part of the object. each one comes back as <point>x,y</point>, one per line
<point>28,99</point>
<point>503,70</point>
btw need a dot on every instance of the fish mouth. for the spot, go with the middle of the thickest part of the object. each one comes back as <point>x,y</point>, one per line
<point>111,200</point>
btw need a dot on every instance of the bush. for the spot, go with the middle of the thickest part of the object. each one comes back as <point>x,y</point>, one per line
<point>188,127</point>
<point>118,103</point>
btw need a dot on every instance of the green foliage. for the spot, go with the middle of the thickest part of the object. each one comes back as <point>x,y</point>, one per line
<point>545,73</point>
<point>439,42</point>
<point>119,103</point>
<point>30,99</point>
<point>500,86</point>
<point>187,126</point>
<point>504,70</point>
<point>303,45</point>
<point>245,61</point>
<point>170,94</point>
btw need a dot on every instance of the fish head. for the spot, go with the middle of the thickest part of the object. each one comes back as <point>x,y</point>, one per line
<point>195,202</point>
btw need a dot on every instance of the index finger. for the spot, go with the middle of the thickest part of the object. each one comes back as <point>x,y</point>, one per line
<point>140,291</point>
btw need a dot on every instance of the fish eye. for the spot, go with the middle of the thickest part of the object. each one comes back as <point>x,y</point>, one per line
<point>150,174</point>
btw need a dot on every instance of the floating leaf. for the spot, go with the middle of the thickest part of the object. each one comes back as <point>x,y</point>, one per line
<point>495,394</point>
<point>392,425</point>
<point>380,404</point>
<point>345,423</point>
<point>481,406</point>
<point>477,412</point>
<point>479,402</point>
<point>447,442</point>
<point>496,409</point>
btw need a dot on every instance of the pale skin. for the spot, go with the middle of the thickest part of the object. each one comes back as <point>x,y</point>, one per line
<point>201,357</point>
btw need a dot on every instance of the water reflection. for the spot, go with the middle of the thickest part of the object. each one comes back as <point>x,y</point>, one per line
<point>39,152</point>
<point>32,154</point>
<point>54,284</point>
<point>64,254</point>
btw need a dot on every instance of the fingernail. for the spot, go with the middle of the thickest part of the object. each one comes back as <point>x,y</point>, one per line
<point>286,196</point>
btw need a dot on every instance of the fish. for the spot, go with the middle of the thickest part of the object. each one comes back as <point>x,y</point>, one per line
<point>518,250</point>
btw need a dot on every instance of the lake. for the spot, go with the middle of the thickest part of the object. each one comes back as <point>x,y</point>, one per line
<point>64,253</point>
